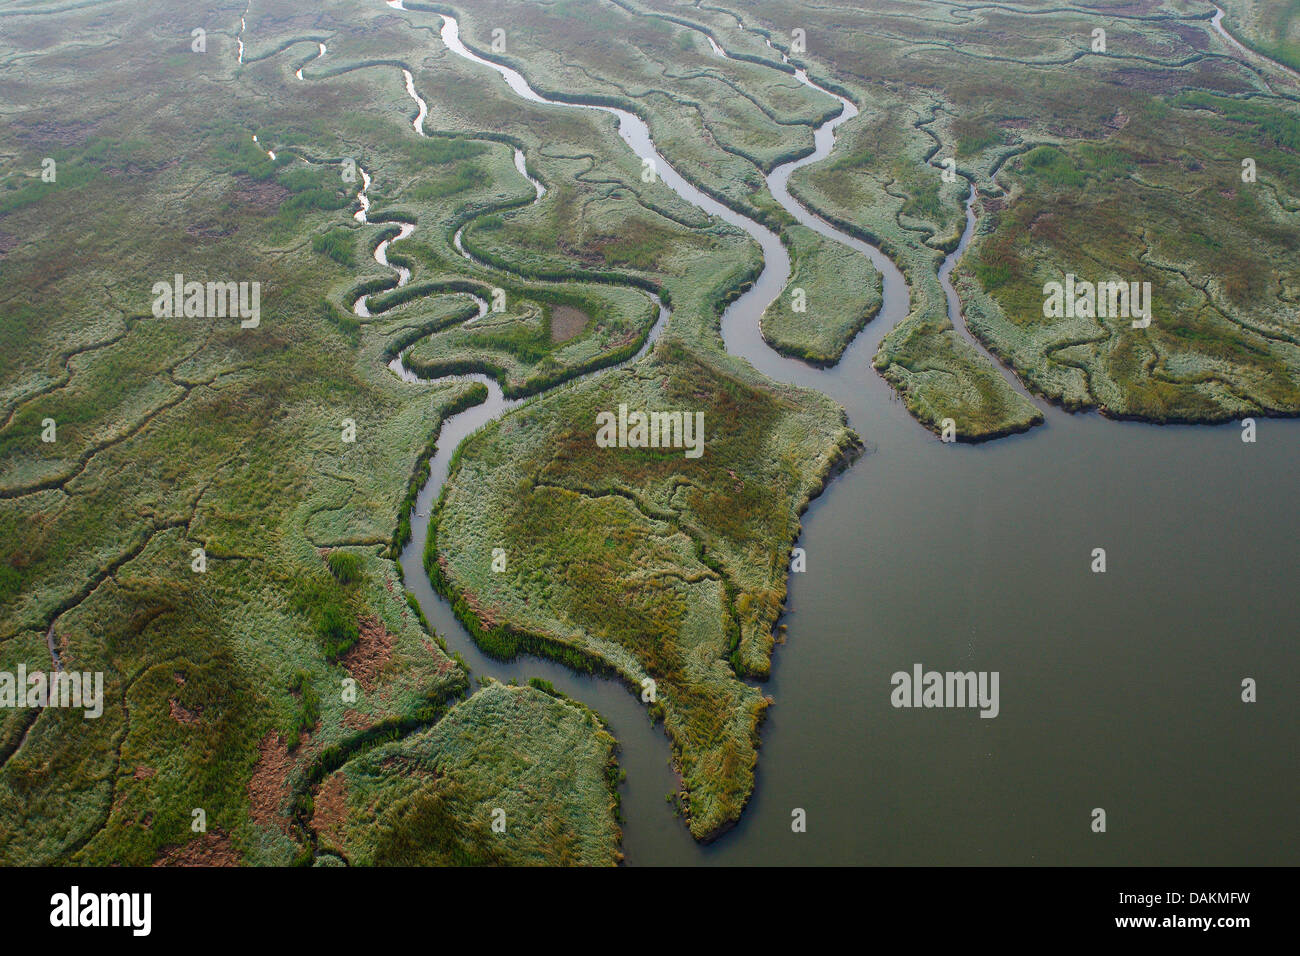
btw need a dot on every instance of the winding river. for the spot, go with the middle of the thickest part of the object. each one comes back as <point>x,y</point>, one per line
<point>1246,52</point>
<point>976,557</point>
<point>298,72</point>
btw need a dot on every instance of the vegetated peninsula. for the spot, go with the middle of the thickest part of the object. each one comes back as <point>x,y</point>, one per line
<point>513,776</point>
<point>695,548</point>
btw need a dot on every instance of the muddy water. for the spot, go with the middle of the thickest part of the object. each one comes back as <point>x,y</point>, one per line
<point>1118,690</point>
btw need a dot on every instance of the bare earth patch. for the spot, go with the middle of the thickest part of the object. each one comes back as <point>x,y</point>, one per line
<point>208,849</point>
<point>51,131</point>
<point>180,714</point>
<point>263,196</point>
<point>268,788</point>
<point>366,660</point>
<point>331,809</point>
<point>566,322</point>
<point>355,720</point>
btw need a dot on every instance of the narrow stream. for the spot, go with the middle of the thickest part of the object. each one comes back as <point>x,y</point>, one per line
<point>958,318</point>
<point>298,72</point>
<point>1250,55</point>
<point>243,25</point>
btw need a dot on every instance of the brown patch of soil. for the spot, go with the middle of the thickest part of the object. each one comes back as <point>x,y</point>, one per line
<point>485,618</point>
<point>50,131</point>
<point>207,230</point>
<point>370,653</point>
<point>445,663</point>
<point>331,809</point>
<point>406,767</point>
<point>355,720</point>
<point>262,196</point>
<point>626,338</point>
<point>1151,80</point>
<point>8,243</point>
<point>1069,131</point>
<point>268,788</point>
<point>180,714</point>
<point>566,322</point>
<point>207,849</point>
<point>144,773</point>
<point>591,255</point>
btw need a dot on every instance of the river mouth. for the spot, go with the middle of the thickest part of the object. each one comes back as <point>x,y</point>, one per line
<point>977,558</point>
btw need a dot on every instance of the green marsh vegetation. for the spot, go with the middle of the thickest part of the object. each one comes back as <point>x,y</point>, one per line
<point>496,759</point>
<point>176,436</point>
<point>1122,164</point>
<point>519,345</point>
<point>838,293</point>
<point>696,549</point>
<point>914,216</point>
<point>223,686</point>
<point>1223,340</point>
<point>1271,27</point>
<point>721,122</point>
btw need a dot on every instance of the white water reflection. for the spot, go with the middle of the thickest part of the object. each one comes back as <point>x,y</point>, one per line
<point>298,72</point>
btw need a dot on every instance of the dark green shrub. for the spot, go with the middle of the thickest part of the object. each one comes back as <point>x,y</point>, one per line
<point>345,566</point>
